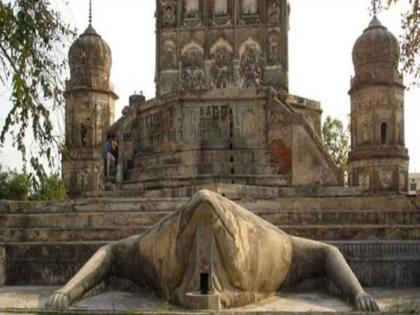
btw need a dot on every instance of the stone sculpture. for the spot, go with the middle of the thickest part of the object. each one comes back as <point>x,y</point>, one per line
<point>211,254</point>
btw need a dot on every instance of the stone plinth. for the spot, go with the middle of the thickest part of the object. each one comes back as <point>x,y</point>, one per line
<point>26,300</point>
<point>198,301</point>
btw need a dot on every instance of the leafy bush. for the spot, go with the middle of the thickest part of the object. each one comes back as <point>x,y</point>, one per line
<point>14,186</point>
<point>19,187</point>
<point>51,189</point>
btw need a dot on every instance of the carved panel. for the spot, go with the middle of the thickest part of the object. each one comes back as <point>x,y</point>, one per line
<point>168,12</point>
<point>220,8</point>
<point>215,122</point>
<point>168,57</point>
<point>192,12</point>
<point>274,12</point>
<point>364,180</point>
<point>222,70</point>
<point>222,12</point>
<point>251,64</point>
<point>385,179</point>
<point>192,67</point>
<point>249,7</point>
<point>274,49</point>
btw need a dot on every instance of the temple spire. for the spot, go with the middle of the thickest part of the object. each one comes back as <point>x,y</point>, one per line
<point>90,12</point>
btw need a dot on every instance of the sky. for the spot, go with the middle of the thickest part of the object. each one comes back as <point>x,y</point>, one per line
<point>322,34</point>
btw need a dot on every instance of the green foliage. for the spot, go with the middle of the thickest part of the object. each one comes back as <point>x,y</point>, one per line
<point>32,39</point>
<point>19,187</point>
<point>14,186</point>
<point>336,140</point>
<point>410,41</point>
<point>52,188</point>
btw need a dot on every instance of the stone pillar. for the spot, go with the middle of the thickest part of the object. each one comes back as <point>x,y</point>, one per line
<point>2,264</point>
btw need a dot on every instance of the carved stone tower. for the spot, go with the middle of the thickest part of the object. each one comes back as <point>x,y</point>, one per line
<point>89,112</point>
<point>378,159</point>
<point>221,44</point>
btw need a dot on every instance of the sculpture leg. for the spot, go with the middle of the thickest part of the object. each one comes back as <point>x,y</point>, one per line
<point>315,259</point>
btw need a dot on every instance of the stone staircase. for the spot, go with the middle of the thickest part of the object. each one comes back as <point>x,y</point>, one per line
<point>46,243</point>
<point>213,165</point>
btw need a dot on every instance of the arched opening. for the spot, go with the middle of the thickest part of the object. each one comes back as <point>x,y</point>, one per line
<point>384,133</point>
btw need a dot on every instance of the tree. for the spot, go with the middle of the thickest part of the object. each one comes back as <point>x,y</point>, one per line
<point>336,140</point>
<point>52,188</point>
<point>410,41</point>
<point>32,38</point>
<point>18,186</point>
<point>14,186</point>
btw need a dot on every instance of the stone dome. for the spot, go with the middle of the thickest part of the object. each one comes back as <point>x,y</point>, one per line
<point>376,54</point>
<point>90,60</point>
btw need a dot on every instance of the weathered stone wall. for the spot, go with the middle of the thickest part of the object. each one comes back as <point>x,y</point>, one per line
<point>311,163</point>
<point>297,147</point>
<point>310,109</point>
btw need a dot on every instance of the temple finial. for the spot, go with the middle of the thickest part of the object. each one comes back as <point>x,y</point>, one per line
<point>375,7</point>
<point>90,12</point>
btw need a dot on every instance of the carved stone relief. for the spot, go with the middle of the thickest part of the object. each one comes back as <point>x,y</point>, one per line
<point>168,13</point>
<point>364,180</point>
<point>365,130</point>
<point>215,122</point>
<point>222,71</point>
<point>192,67</point>
<point>251,64</point>
<point>385,179</point>
<point>169,56</point>
<point>191,11</point>
<point>220,8</point>
<point>249,7</point>
<point>273,11</point>
<point>273,49</point>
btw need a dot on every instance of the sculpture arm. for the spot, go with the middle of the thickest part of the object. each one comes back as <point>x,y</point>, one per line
<point>92,273</point>
<point>316,259</point>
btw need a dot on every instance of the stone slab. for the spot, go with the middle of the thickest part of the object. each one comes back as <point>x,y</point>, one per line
<point>26,299</point>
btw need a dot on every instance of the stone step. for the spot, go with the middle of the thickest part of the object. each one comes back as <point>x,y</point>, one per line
<point>339,217</point>
<point>376,263</point>
<point>82,220</point>
<point>106,204</point>
<point>159,203</point>
<point>355,232</point>
<point>317,232</point>
<point>147,218</point>
<point>232,191</point>
<point>179,185</point>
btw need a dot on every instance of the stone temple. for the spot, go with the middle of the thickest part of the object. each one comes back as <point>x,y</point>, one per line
<point>224,120</point>
<point>223,112</point>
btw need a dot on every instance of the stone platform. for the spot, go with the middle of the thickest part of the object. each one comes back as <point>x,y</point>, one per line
<point>45,243</point>
<point>24,300</point>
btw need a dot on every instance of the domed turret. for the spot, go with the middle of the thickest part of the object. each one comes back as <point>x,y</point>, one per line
<point>90,107</point>
<point>90,61</point>
<point>378,160</point>
<point>376,55</point>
